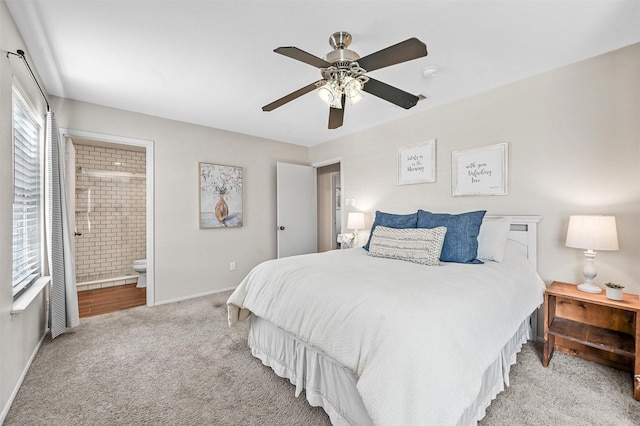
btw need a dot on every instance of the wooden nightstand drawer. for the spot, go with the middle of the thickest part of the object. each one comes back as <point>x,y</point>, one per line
<point>596,315</point>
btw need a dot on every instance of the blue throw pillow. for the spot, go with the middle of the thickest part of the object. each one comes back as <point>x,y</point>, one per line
<point>461,240</point>
<point>397,221</point>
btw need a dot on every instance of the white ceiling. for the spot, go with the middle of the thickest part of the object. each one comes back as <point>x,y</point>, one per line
<point>212,62</point>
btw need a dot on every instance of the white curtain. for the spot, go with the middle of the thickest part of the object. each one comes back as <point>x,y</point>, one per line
<point>63,309</point>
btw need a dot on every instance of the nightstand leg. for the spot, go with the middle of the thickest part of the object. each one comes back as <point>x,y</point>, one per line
<point>548,351</point>
<point>636,372</point>
<point>549,339</point>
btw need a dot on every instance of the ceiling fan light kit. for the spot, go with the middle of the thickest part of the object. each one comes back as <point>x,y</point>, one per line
<point>347,78</point>
<point>343,75</point>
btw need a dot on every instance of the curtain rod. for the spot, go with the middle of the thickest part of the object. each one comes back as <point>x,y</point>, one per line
<point>20,53</point>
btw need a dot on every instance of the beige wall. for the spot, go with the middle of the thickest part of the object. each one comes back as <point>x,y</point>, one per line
<point>574,148</point>
<point>20,333</point>
<point>190,261</point>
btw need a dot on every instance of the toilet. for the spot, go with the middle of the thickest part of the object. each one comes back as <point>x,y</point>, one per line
<point>140,266</point>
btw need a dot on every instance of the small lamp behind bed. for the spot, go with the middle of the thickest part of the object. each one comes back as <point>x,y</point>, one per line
<point>591,233</point>
<point>355,221</point>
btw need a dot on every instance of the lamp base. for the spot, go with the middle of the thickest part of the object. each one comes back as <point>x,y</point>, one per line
<point>590,288</point>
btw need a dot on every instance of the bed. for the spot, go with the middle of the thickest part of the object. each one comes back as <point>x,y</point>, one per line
<point>378,340</point>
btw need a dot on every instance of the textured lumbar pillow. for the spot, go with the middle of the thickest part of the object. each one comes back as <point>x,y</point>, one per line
<point>419,245</point>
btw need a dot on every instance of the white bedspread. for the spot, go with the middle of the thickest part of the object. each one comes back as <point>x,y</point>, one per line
<point>418,337</point>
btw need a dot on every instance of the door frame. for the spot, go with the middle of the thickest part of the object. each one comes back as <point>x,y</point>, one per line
<point>337,160</point>
<point>334,207</point>
<point>148,145</point>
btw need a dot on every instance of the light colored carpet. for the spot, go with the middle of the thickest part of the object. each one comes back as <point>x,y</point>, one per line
<point>179,364</point>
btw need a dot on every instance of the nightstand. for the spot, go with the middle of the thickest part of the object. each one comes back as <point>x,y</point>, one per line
<point>594,328</point>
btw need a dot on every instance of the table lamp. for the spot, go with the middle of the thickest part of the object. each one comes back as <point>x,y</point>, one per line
<point>355,221</point>
<point>591,233</point>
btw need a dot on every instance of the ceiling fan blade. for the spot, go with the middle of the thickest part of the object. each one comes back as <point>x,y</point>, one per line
<point>293,95</point>
<point>302,56</point>
<point>391,94</point>
<point>401,52</point>
<point>336,115</point>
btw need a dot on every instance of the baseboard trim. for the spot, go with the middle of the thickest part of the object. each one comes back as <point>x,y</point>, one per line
<point>193,296</point>
<point>5,410</point>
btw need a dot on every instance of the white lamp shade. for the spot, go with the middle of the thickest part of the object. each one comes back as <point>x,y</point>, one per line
<point>326,94</point>
<point>353,90</point>
<point>355,220</point>
<point>592,232</point>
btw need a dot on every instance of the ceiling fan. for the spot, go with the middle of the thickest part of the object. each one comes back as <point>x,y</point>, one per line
<point>344,75</point>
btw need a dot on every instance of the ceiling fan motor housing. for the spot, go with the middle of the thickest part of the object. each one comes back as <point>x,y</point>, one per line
<point>341,57</point>
<point>340,40</point>
<point>343,61</point>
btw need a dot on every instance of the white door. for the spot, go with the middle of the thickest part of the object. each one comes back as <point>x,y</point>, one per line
<point>297,224</point>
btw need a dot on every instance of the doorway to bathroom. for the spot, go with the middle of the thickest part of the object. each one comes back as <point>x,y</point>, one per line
<point>109,190</point>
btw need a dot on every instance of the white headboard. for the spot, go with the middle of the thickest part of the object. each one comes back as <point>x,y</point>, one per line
<point>524,231</point>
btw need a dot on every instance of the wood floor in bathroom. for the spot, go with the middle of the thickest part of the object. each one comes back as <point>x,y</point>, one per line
<point>111,299</point>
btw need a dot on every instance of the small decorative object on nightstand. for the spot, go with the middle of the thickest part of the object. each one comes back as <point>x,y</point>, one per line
<point>592,233</point>
<point>345,240</point>
<point>614,291</point>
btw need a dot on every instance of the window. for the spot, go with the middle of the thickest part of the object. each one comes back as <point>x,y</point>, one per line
<point>27,199</point>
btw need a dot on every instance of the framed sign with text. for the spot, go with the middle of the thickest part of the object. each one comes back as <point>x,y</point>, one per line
<point>480,171</point>
<point>417,163</point>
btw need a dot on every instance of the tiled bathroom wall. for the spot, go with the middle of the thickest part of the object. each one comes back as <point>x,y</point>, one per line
<point>110,215</point>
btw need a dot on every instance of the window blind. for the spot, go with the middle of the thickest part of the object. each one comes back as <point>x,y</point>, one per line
<point>27,204</point>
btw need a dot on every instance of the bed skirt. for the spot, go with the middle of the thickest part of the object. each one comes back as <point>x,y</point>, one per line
<point>333,387</point>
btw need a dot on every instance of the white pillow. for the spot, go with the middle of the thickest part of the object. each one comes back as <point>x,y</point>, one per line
<point>418,245</point>
<point>492,238</point>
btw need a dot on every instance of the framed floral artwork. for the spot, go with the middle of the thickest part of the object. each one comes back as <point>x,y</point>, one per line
<point>220,196</point>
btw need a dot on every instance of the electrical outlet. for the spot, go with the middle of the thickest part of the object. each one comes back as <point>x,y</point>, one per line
<point>232,266</point>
